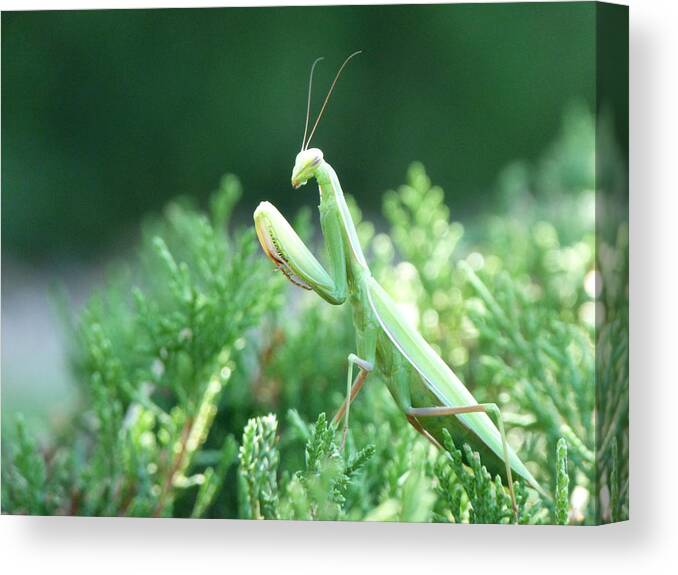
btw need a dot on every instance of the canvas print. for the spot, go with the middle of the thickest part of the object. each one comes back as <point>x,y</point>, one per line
<point>339,263</point>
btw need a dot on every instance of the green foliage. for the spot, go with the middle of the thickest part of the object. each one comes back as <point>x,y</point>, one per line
<point>470,493</point>
<point>562,484</point>
<point>179,357</point>
<point>25,481</point>
<point>214,478</point>
<point>154,352</point>
<point>614,483</point>
<point>316,492</point>
<point>612,368</point>
<point>259,459</point>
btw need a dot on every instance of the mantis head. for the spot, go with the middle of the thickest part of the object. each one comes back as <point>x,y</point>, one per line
<point>305,165</point>
<point>308,159</point>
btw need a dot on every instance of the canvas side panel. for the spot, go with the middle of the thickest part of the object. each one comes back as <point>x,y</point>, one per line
<point>612,257</point>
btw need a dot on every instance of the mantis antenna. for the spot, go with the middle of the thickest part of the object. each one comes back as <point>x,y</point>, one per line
<point>327,98</point>
<point>308,103</point>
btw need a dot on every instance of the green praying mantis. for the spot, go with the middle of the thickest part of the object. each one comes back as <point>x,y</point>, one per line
<point>427,391</point>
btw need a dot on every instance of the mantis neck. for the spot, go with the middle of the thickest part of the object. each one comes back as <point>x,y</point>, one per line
<point>328,182</point>
<point>333,203</point>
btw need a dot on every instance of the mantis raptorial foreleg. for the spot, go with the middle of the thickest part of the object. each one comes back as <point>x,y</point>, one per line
<point>490,408</point>
<point>295,260</point>
<point>352,389</point>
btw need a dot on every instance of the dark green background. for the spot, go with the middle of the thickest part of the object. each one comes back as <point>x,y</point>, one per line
<point>107,114</point>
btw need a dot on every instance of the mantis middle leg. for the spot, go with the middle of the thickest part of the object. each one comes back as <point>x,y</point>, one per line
<point>352,389</point>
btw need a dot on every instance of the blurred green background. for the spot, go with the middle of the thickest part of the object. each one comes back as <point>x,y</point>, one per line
<point>107,114</point>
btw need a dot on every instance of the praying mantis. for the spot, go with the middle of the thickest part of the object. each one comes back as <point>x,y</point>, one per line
<point>425,389</point>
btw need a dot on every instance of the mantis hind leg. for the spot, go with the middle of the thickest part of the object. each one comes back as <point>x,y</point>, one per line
<point>418,426</point>
<point>491,408</point>
<point>352,389</point>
